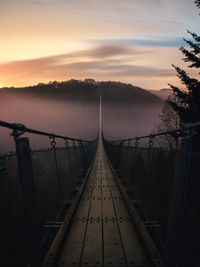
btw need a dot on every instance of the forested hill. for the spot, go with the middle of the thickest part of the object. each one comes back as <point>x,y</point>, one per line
<point>88,90</point>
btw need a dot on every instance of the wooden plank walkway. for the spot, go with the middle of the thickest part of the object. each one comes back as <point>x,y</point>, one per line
<point>102,233</point>
<point>102,228</point>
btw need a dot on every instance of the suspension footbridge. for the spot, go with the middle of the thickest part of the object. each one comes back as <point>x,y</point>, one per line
<point>103,231</point>
<point>100,203</point>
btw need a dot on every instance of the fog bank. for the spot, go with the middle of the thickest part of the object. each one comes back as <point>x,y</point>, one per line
<point>74,119</point>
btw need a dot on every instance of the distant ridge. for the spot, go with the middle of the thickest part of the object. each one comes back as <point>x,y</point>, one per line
<point>88,90</point>
<point>162,93</point>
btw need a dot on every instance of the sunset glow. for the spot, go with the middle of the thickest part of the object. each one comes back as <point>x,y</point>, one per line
<point>130,41</point>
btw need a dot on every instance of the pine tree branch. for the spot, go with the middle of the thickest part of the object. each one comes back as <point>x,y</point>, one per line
<point>179,93</point>
<point>197,3</point>
<point>191,83</point>
<point>194,46</point>
<point>180,110</point>
<point>195,36</point>
<point>190,57</point>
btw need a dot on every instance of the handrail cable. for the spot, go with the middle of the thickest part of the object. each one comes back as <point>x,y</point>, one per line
<point>20,127</point>
<point>171,132</point>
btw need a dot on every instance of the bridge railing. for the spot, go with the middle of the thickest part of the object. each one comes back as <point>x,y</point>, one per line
<point>36,189</point>
<point>161,173</point>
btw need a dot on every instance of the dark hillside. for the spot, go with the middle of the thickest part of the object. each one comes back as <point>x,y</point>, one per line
<point>127,94</point>
<point>88,90</point>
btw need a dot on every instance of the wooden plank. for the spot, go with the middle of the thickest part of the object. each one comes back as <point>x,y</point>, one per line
<point>71,253</point>
<point>92,251</point>
<point>113,252</point>
<point>120,208</point>
<point>132,245</point>
<point>95,208</point>
<point>83,209</point>
<point>108,209</point>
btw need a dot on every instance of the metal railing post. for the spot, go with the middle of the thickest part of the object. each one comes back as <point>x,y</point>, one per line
<point>29,200</point>
<point>83,158</point>
<point>132,168</point>
<point>120,158</point>
<point>69,164</point>
<point>180,183</point>
<point>53,144</point>
<point>150,144</point>
<point>76,160</point>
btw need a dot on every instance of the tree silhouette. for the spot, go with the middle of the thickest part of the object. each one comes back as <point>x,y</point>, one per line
<point>188,105</point>
<point>168,120</point>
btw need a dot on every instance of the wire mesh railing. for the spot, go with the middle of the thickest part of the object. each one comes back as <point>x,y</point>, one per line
<point>164,186</point>
<point>45,186</point>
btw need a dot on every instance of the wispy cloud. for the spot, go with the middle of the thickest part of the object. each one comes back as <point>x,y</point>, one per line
<point>105,51</point>
<point>101,62</point>
<point>162,42</point>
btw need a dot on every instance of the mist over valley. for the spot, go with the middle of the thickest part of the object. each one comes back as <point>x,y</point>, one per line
<point>72,109</point>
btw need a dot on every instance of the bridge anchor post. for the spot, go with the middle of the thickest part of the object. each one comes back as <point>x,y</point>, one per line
<point>29,200</point>
<point>176,213</point>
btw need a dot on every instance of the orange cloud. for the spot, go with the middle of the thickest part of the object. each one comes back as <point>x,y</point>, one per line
<point>106,62</point>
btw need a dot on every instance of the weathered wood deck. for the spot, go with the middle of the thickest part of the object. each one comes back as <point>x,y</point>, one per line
<point>101,231</point>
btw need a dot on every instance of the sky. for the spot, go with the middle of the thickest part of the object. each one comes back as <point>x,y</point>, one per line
<point>132,41</point>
